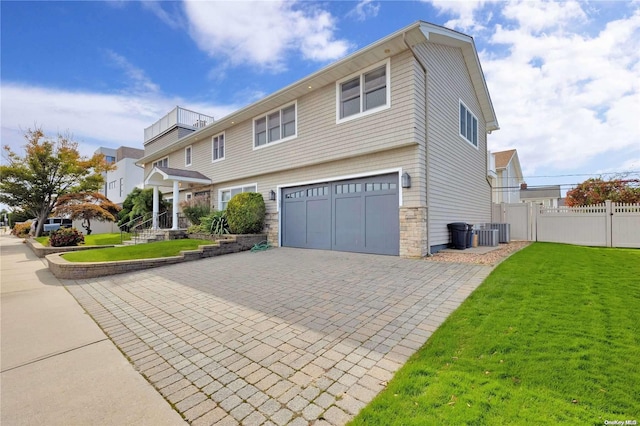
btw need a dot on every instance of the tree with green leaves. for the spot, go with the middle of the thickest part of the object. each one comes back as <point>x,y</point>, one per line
<point>597,191</point>
<point>139,205</point>
<point>49,169</point>
<point>87,206</point>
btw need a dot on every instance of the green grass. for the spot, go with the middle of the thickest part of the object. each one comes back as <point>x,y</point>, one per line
<point>94,240</point>
<point>551,337</point>
<point>141,251</point>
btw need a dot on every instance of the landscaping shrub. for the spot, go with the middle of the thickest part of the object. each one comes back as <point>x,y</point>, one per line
<point>21,229</point>
<point>215,223</point>
<point>66,237</point>
<point>196,208</point>
<point>245,213</point>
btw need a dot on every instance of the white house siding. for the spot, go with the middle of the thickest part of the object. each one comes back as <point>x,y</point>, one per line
<point>131,175</point>
<point>508,190</point>
<point>457,189</point>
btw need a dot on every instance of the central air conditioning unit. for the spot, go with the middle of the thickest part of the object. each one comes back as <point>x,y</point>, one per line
<point>504,230</point>
<point>487,237</point>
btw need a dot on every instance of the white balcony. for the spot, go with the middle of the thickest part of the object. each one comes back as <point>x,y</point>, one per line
<point>177,117</point>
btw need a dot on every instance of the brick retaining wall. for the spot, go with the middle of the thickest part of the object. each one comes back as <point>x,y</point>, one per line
<point>62,268</point>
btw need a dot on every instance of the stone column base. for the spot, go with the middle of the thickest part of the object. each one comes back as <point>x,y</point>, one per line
<point>413,232</point>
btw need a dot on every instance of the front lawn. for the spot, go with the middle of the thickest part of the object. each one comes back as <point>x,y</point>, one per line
<point>94,240</point>
<point>551,337</point>
<point>140,251</point>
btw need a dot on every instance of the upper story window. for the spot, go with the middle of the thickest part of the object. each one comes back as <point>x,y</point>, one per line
<point>365,93</point>
<point>164,162</point>
<point>110,159</point>
<point>276,126</point>
<point>187,156</point>
<point>217,147</point>
<point>468,125</point>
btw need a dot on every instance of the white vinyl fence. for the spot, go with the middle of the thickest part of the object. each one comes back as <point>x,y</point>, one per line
<point>607,225</point>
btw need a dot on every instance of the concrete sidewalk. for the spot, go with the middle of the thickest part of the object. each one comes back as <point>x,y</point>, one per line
<point>57,366</point>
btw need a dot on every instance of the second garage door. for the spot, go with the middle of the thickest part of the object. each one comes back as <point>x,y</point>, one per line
<point>358,215</point>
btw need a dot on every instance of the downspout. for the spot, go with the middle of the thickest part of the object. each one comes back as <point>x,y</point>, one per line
<point>426,138</point>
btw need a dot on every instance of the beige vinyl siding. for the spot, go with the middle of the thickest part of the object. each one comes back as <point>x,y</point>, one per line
<point>403,158</point>
<point>320,139</point>
<point>458,190</point>
<point>165,140</point>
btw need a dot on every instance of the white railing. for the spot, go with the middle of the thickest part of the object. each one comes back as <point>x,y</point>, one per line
<point>177,116</point>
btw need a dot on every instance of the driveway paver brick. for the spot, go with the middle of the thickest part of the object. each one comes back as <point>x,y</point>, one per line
<point>280,337</point>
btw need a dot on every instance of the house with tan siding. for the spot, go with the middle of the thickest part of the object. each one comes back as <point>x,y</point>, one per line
<point>374,153</point>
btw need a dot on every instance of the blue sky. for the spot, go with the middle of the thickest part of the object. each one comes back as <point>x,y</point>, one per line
<point>564,77</point>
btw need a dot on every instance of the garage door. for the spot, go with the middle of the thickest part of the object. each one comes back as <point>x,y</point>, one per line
<point>359,215</point>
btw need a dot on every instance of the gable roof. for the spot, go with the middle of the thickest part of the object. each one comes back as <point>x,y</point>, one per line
<point>503,158</point>
<point>161,175</point>
<point>404,39</point>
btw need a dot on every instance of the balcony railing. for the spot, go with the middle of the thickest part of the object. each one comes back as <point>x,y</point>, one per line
<point>177,116</point>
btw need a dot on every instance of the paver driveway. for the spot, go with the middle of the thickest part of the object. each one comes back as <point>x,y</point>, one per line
<point>286,336</point>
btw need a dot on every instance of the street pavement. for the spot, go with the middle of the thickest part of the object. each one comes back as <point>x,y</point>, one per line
<point>57,366</point>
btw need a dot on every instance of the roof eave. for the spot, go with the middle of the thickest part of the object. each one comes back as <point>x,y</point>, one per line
<point>388,46</point>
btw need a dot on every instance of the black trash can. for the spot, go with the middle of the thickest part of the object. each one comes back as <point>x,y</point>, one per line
<point>469,235</point>
<point>458,235</point>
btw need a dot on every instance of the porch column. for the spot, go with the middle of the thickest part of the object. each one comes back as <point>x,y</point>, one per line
<point>176,198</point>
<point>156,207</point>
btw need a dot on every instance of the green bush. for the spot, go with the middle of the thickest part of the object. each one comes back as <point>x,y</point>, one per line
<point>194,229</point>
<point>245,213</point>
<point>66,237</point>
<point>196,208</point>
<point>215,223</point>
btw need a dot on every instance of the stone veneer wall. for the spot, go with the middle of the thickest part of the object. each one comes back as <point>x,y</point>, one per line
<point>413,232</point>
<point>271,228</point>
<point>62,268</point>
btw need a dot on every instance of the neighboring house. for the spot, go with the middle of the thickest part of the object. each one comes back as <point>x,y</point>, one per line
<point>548,196</point>
<point>508,177</point>
<point>126,176</point>
<point>375,153</point>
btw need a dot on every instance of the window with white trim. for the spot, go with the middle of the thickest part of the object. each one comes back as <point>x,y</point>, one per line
<point>227,194</point>
<point>275,126</point>
<point>364,93</point>
<point>187,156</point>
<point>468,125</point>
<point>164,162</point>
<point>217,147</point>
<point>188,196</point>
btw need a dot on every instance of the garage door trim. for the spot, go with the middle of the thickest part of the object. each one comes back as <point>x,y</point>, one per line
<point>279,188</point>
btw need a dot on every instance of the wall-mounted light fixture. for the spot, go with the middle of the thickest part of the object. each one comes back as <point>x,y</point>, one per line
<point>272,195</point>
<point>406,180</point>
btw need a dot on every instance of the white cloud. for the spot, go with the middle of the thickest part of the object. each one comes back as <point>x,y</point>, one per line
<point>263,32</point>
<point>364,9</point>
<point>540,15</point>
<point>467,18</point>
<point>563,98</point>
<point>173,19</point>
<point>94,119</point>
<point>138,79</point>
